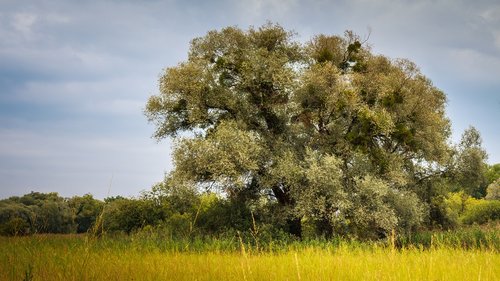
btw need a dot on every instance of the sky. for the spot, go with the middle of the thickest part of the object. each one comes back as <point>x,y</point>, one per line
<point>75,76</point>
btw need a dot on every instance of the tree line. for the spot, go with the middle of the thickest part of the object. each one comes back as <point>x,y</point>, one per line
<point>182,211</point>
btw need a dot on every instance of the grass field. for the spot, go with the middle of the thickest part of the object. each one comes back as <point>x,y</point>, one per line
<point>72,257</point>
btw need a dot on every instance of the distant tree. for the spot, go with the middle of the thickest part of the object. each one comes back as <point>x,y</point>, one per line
<point>37,213</point>
<point>470,168</point>
<point>174,198</point>
<point>15,218</point>
<point>328,131</point>
<point>52,213</point>
<point>113,198</point>
<point>127,215</point>
<point>85,211</point>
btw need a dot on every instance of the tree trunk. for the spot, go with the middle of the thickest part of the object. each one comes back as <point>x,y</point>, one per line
<point>294,225</point>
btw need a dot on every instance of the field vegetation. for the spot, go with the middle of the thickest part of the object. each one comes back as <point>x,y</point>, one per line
<point>292,161</point>
<point>470,254</point>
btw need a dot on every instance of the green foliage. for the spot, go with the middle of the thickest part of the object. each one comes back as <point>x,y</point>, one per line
<point>493,191</point>
<point>218,216</point>
<point>324,132</point>
<point>462,208</point>
<point>14,226</point>
<point>36,213</point>
<point>471,237</point>
<point>47,213</point>
<point>456,204</point>
<point>85,209</point>
<point>15,218</point>
<point>224,155</point>
<point>482,211</point>
<point>469,172</point>
<point>493,173</point>
<point>186,212</point>
<point>128,215</point>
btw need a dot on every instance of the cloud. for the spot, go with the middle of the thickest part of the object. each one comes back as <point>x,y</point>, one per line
<point>475,66</point>
<point>117,107</point>
<point>260,9</point>
<point>23,22</point>
<point>41,159</point>
<point>492,14</point>
<point>75,75</point>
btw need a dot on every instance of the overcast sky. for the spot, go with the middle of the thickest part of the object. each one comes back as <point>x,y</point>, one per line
<point>75,76</point>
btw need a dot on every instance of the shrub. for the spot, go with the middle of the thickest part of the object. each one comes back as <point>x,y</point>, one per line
<point>14,226</point>
<point>493,191</point>
<point>481,212</point>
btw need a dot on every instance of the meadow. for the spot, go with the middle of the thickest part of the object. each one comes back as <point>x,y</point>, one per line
<point>469,255</point>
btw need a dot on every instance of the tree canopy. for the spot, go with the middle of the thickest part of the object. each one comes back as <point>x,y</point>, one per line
<point>327,131</point>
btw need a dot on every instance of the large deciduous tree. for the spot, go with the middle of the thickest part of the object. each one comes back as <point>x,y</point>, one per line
<point>329,131</point>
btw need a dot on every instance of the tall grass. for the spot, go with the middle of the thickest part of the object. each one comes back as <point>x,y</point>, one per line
<point>475,237</point>
<point>154,256</point>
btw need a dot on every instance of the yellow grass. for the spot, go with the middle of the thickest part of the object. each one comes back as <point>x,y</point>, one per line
<point>55,257</point>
